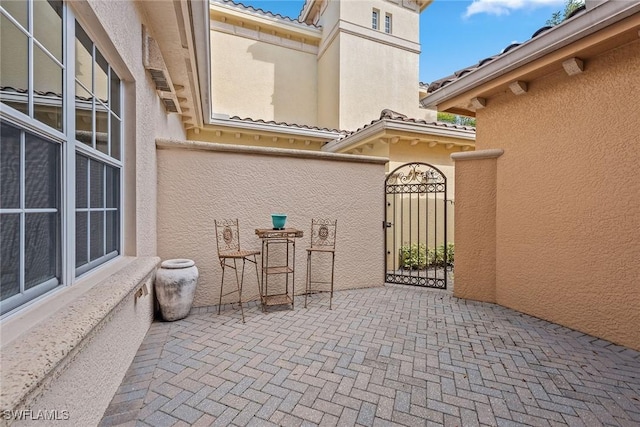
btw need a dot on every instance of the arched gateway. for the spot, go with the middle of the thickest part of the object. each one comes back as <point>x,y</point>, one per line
<point>416,226</point>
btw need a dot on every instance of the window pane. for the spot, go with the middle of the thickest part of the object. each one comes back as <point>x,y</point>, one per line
<point>96,171</point>
<point>82,255</point>
<point>17,9</point>
<point>47,23</point>
<point>9,255</point>
<point>84,116</point>
<point>47,83</point>
<point>115,93</point>
<point>115,137</point>
<point>101,69</point>
<point>113,231</point>
<point>42,249</point>
<point>14,74</point>
<point>84,58</point>
<point>82,181</point>
<point>102,128</point>
<point>113,187</point>
<point>97,235</point>
<point>9,167</point>
<point>42,173</point>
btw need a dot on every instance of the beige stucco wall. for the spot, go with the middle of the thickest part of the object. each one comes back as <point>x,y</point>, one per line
<point>330,14</point>
<point>391,80</point>
<point>567,197</point>
<point>475,232</point>
<point>405,22</point>
<point>260,80</point>
<point>329,86</point>
<point>198,186</point>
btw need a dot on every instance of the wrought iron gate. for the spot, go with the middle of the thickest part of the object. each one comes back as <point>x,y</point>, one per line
<point>416,226</point>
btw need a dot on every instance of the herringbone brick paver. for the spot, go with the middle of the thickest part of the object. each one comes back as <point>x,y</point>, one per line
<point>389,356</point>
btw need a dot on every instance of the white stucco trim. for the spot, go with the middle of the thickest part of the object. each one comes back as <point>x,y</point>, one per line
<point>562,35</point>
<point>397,126</point>
<point>492,153</point>
<point>369,34</point>
<point>162,143</point>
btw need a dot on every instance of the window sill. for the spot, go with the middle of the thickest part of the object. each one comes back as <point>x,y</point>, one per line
<point>40,340</point>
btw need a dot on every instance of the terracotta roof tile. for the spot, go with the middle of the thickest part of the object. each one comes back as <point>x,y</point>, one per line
<point>437,84</point>
<point>295,125</point>
<point>388,114</point>
<point>43,93</point>
<point>393,115</point>
<point>265,12</point>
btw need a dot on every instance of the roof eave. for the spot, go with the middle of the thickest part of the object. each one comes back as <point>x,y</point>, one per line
<point>276,128</point>
<point>562,35</point>
<point>285,24</point>
<point>358,137</point>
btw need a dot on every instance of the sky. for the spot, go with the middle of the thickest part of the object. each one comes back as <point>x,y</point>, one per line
<point>455,34</point>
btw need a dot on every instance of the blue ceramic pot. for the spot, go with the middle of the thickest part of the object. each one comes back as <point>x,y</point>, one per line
<point>278,220</point>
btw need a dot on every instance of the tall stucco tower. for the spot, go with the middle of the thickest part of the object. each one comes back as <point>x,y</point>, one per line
<point>368,58</point>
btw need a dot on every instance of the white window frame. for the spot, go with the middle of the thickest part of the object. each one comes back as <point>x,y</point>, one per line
<point>375,19</point>
<point>388,23</point>
<point>69,148</point>
<point>94,154</point>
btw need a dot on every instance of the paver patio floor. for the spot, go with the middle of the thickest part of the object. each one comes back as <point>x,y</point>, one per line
<point>393,355</point>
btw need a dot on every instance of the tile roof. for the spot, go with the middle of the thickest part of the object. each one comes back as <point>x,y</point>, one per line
<point>437,84</point>
<point>22,91</point>
<point>295,125</point>
<point>264,12</point>
<point>388,114</point>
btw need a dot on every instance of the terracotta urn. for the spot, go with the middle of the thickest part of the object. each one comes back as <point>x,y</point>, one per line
<point>175,286</point>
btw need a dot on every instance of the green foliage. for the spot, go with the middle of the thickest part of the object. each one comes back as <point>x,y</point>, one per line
<point>419,256</point>
<point>456,119</point>
<point>414,256</point>
<point>561,15</point>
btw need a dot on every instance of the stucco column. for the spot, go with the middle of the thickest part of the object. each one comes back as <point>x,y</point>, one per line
<point>475,219</point>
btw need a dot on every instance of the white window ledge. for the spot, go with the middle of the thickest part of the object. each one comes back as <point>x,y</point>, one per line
<point>40,341</point>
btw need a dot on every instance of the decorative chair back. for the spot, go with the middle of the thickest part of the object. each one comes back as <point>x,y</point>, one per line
<point>227,236</point>
<point>323,233</point>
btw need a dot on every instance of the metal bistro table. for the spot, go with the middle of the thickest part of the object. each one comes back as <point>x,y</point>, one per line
<point>285,237</point>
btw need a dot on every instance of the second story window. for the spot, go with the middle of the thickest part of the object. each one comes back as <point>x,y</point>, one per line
<point>374,19</point>
<point>387,23</point>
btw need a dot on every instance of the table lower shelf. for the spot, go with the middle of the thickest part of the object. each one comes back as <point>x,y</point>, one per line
<point>283,269</point>
<point>280,299</point>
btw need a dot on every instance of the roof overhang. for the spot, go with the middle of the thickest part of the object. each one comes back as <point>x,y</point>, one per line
<point>264,20</point>
<point>387,131</point>
<point>272,128</point>
<point>180,30</point>
<point>617,19</point>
